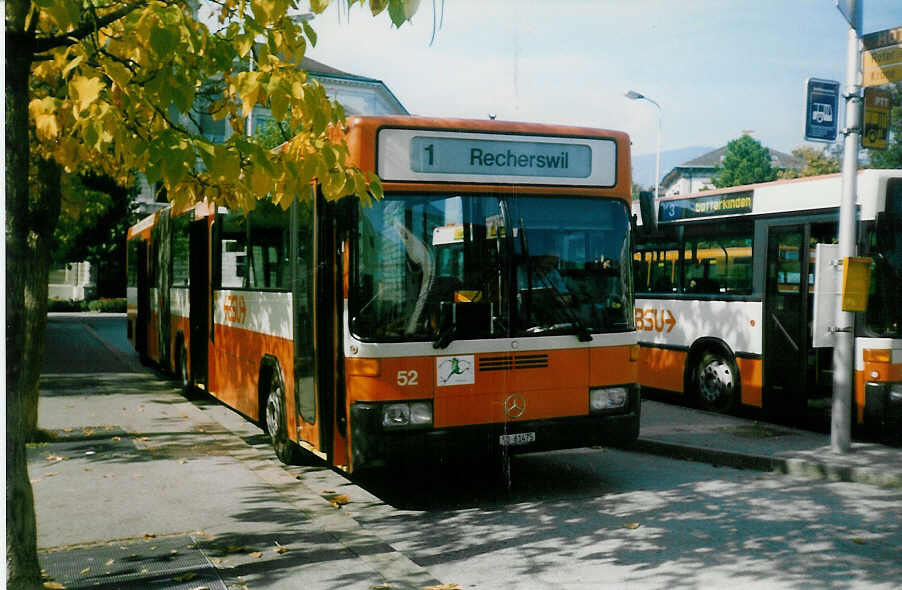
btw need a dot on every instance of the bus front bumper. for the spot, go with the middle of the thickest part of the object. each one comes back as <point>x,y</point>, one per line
<point>375,447</point>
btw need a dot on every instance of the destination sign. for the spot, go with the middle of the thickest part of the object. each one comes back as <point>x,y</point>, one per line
<point>446,156</point>
<point>713,206</point>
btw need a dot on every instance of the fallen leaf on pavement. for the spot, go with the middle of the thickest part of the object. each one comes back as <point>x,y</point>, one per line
<point>339,500</point>
<point>631,525</point>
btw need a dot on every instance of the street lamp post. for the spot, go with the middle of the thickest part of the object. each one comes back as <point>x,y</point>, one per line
<point>633,95</point>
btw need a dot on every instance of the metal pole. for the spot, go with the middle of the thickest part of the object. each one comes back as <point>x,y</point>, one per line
<point>658,154</point>
<point>633,95</point>
<point>841,416</point>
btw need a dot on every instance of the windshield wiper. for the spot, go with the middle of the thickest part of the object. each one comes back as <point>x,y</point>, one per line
<point>445,336</point>
<point>580,329</point>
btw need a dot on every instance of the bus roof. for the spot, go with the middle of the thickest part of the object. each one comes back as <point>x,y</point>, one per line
<point>478,154</point>
<point>810,193</point>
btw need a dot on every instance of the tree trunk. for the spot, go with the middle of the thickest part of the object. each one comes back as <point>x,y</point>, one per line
<point>22,567</point>
<point>43,214</point>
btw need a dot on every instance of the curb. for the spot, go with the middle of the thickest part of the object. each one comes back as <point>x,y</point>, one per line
<point>795,466</point>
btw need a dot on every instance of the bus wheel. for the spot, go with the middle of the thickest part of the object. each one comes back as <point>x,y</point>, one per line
<point>716,382</point>
<point>275,422</point>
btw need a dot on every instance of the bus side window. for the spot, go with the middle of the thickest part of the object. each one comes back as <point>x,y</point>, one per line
<point>233,256</point>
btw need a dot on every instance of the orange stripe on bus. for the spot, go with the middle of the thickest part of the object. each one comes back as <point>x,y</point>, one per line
<point>236,357</point>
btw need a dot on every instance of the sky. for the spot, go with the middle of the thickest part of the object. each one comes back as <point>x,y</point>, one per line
<point>717,68</point>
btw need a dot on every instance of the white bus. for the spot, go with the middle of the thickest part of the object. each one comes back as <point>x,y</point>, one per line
<point>724,298</point>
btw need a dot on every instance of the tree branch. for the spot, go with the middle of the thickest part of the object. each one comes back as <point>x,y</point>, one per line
<point>85,29</point>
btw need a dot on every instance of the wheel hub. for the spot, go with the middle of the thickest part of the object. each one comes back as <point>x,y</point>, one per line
<point>716,381</point>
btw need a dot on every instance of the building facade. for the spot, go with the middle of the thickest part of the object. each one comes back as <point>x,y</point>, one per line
<point>696,174</point>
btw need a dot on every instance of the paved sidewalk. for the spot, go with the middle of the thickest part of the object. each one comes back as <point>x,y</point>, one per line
<point>142,488</point>
<point>737,442</point>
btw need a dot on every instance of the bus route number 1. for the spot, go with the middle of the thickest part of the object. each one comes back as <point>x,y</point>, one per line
<point>655,320</point>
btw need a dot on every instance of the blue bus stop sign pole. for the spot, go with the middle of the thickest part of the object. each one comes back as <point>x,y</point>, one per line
<point>821,110</point>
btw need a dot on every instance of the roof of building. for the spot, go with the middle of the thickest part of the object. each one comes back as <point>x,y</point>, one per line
<point>317,67</point>
<point>712,160</point>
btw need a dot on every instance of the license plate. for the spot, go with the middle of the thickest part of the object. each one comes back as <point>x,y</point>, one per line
<point>520,438</point>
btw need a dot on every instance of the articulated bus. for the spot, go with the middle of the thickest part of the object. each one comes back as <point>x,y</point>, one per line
<point>724,297</point>
<point>483,305</point>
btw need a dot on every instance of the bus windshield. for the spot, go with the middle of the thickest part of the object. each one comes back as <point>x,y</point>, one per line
<point>884,312</point>
<point>445,267</point>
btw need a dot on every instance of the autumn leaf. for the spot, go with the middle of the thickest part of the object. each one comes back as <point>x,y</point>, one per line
<point>631,525</point>
<point>85,90</point>
<point>339,500</point>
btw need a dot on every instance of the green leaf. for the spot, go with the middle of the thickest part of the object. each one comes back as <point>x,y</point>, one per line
<point>396,12</point>
<point>377,6</point>
<point>308,30</point>
<point>317,6</point>
<point>225,165</point>
<point>163,41</point>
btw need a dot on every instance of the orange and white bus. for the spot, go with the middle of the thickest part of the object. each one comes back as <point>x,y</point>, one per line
<point>484,303</point>
<point>725,292</point>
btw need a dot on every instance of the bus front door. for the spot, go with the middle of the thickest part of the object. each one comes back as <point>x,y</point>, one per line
<point>785,323</point>
<point>199,295</point>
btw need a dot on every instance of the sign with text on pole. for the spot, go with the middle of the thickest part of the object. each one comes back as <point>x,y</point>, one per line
<point>881,60</point>
<point>876,117</point>
<point>821,110</point>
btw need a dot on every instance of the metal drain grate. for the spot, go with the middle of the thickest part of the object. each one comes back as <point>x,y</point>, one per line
<point>174,563</point>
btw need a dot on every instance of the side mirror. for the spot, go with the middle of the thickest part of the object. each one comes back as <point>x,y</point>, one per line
<point>648,210</point>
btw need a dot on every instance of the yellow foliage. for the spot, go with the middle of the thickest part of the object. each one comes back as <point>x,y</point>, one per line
<point>118,101</point>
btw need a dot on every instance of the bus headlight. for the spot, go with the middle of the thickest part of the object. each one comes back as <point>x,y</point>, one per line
<point>406,414</point>
<point>607,398</point>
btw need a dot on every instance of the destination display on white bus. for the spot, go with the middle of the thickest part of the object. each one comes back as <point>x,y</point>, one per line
<point>713,206</point>
<point>447,156</point>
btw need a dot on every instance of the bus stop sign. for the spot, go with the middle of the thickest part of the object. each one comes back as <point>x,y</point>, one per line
<point>821,110</point>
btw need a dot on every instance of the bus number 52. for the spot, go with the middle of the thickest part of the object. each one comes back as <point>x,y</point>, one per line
<point>406,378</point>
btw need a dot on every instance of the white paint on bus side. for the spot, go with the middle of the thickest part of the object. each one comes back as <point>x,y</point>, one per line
<point>680,322</point>
<point>263,312</point>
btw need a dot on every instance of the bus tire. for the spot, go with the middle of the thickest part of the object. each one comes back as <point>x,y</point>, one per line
<point>274,421</point>
<point>715,380</point>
